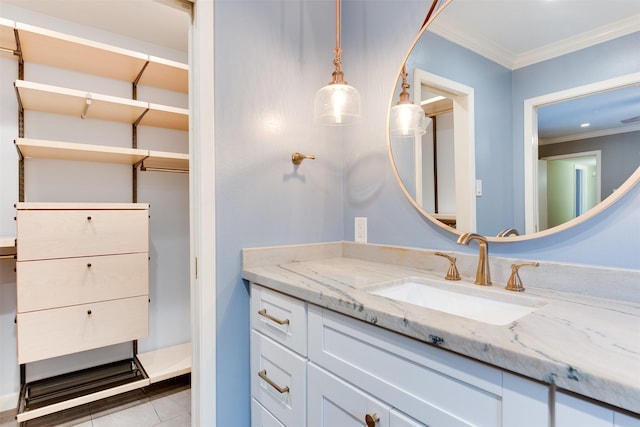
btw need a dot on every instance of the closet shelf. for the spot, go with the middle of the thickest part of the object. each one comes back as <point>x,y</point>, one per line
<point>7,39</point>
<point>55,99</point>
<point>165,162</point>
<point>166,74</point>
<point>7,246</point>
<point>59,150</point>
<point>166,362</point>
<point>44,47</point>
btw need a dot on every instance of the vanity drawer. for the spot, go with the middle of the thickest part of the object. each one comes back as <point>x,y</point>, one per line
<point>50,333</point>
<point>260,417</point>
<point>70,281</point>
<point>47,234</point>
<point>280,317</point>
<point>278,380</point>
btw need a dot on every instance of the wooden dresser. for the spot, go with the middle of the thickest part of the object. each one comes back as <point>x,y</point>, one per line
<point>82,276</point>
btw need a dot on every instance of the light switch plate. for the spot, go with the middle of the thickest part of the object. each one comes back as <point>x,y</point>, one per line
<point>361,229</point>
<point>478,187</point>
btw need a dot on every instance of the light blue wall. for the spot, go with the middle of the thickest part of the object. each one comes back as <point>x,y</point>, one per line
<point>271,57</point>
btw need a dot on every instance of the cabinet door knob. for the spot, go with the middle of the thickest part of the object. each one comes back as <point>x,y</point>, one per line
<point>371,420</point>
<point>89,312</point>
<point>88,265</point>
<point>89,218</point>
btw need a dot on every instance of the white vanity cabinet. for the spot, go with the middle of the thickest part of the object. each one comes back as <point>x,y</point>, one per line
<point>356,370</point>
<point>573,411</point>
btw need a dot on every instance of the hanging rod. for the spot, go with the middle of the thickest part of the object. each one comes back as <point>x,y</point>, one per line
<point>160,169</point>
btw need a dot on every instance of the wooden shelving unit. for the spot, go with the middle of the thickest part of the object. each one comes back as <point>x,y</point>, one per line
<point>41,46</point>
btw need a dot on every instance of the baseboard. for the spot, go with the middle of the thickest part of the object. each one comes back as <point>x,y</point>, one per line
<point>8,402</point>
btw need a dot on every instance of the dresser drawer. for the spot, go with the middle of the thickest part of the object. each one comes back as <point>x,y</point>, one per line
<point>278,380</point>
<point>46,234</point>
<point>50,333</point>
<point>280,317</point>
<point>70,281</point>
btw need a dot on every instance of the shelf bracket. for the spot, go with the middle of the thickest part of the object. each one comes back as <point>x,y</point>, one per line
<point>87,104</point>
<point>139,119</point>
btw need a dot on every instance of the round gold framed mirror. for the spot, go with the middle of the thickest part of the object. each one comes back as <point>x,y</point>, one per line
<point>493,74</point>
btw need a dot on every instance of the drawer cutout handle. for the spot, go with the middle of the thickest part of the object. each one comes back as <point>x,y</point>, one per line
<point>264,313</point>
<point>371,420</point>
<point>263,374</point>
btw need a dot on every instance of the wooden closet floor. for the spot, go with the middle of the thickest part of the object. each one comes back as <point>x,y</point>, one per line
<point>160,405</point>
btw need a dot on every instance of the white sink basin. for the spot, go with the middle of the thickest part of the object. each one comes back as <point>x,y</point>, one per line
<point>481,304</point>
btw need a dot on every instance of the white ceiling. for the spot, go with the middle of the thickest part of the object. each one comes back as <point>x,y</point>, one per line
<point>516,33</point>
<point>161,22</point>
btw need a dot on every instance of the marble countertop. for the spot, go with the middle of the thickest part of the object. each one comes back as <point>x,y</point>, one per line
<point>584,344</point>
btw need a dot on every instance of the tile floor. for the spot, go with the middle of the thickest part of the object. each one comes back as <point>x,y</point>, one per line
<point>166,404</point>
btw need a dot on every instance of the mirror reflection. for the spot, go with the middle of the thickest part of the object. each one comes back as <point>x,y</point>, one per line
<point>478,69</point>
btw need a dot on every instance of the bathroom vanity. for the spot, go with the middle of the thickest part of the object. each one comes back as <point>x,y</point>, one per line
<point>326,350</point>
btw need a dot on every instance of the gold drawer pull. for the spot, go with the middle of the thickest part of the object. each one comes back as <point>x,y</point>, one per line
<point>371,420</point>
<point>264,313</point>
<point>263,374</point>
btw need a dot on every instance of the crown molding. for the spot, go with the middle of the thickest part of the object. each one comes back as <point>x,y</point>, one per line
<point>476,42</point>
<point>587,135</point>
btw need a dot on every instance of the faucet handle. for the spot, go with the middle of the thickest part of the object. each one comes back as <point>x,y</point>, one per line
<point>452,273</point>
<point>515,282</point>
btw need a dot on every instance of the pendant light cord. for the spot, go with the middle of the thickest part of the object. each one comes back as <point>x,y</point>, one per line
<point>338,75</point>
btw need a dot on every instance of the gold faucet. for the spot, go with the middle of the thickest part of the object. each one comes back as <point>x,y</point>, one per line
<point>483,273</point>
<point>515,282</point>
<point>508,232</point>
<point>452,273</point>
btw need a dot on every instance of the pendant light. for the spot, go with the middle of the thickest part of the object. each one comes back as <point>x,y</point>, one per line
<point>337,103</point>
<point>407,119</point>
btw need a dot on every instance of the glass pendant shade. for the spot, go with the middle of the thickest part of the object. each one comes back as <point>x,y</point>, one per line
<point>407,120</point>
<point>337,104</point>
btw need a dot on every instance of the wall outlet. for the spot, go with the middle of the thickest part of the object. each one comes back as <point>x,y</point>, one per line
<point>478,187</point>
<point>361,229</point>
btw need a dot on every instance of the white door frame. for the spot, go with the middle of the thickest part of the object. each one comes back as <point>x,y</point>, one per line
<point>464,142</point>
<point>202,215</point>
<point>531,106</point>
